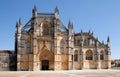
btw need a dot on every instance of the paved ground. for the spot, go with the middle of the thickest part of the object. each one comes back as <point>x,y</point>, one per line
<point>71,73</point>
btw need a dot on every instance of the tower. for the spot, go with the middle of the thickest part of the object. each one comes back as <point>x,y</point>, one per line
<point>18,43</point>
<point>108,52</point>
<point>70,45</point>
<point>56,21</point>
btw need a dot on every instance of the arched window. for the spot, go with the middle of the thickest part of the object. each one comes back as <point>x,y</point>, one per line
<point>89,55</point>
<point>102,55</point>
<point>46,28</point>
<point>62,46</point>
<point>76,55</point>
<point>86,42</point>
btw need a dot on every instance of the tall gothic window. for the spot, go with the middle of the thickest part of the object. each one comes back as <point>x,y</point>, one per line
<point>89,55</point>
<point>62,46</point>
<point>46,28</point>
<point>101,55</point>
<point>86,42</point>
<point>76,55</point>
<point>28,48</point>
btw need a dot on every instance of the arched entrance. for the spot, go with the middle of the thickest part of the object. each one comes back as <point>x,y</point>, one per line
<point>45,64</point>
<point>90,63</point>
<point>46,59</point>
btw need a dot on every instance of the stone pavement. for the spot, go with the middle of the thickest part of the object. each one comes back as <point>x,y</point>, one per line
<point>69,73</point>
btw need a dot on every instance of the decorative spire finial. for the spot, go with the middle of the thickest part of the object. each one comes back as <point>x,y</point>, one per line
<point>16,24</point>
<point>34,11</point>
<point>19,21</point>
<point>56,13</point>
<point>69,23</point>
<point>108,39</point>
<point>56,10</point>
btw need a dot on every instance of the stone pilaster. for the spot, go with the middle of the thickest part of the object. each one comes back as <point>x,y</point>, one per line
<point>98,62</point>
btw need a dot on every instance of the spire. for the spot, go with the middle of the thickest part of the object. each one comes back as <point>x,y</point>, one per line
<point>108,39</point>
<point>56,10</point>
<point>69,24</point>
<point>56,13</point>
<point>72,26</point>
<point>16,24</point>
<point>19,21</point>
<point>96,42</point>
<point>34,11</point>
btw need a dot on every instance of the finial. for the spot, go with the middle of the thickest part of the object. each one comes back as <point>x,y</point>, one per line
<point>56,13</point>
<point>19,21</point>
<point>16,24</point>
<point>69,23</point>
<point>96,42</point>
<point>72,25</point>
<point>108,39</point>
<point>56,10</point>
<point>35,9</point>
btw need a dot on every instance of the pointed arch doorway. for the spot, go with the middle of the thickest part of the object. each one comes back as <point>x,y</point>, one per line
<point>45,64</point>
<point>46,59</point>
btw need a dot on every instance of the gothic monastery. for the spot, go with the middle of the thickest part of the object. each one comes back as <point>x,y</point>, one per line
<point>45,43</point>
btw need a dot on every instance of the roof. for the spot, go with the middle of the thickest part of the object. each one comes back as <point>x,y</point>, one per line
<point>6,51</point>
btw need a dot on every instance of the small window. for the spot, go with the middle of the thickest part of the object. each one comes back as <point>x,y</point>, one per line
<point>72,57</point>
<point>89,58</point>
<point>102,55</point>
<point>76,57</point>
<point>62,46</point>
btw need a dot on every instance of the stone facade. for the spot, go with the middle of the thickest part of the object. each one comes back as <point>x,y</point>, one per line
<point>44,43</point>
<point>7,60</point>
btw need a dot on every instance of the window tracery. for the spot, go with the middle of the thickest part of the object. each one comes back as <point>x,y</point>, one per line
<point>62,46</point>
<point>46,28</point>
<point>89,55</point>
<point>101,55</point>
<point>76,55</point>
